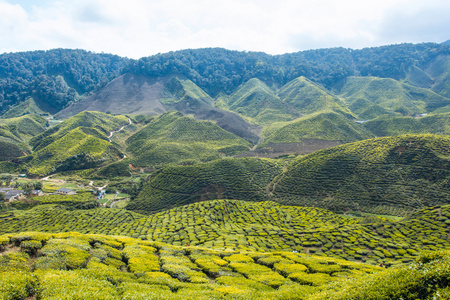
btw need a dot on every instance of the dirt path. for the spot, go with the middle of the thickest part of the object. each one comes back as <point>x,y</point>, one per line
<point>120,129</point>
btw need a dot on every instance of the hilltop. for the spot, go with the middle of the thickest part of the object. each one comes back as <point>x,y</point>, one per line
<point>369,97</point>
<point>173,137</point>
<point>392,175</point>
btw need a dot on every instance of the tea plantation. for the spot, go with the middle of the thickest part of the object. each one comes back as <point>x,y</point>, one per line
<point>247,226</point>
<point>37,265</point>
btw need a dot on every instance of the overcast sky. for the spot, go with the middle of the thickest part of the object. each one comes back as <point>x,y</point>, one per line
<point>137,28</point>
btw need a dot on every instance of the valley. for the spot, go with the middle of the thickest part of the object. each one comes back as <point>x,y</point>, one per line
<point>322,174</point>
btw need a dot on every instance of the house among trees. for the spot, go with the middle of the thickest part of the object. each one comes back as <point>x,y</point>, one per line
<point>65,191</point>
<point>10,194</point>
<point>36,193</point>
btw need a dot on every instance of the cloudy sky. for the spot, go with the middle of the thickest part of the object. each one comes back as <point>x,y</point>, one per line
<point>137,28</point>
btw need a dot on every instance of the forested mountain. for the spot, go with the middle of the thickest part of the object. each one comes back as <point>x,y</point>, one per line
<point>57,78</point>
<point>219,70</point>
<point>54,78</point>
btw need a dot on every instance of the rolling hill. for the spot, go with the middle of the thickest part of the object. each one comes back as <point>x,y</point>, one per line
<point>77,143</point>
<point>392,175</point>
<point>259,103</point>
<point>136,94</point>
<point>173,138</point>
<point>307,97</point>
<point>229,178</point>
<point>389,125</point>
<point>15,134</point>
<point>369,97</point>
<point>323,125</point>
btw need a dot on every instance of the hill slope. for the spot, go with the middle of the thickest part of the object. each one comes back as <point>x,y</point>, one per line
<point>173,137</point>
<point>397,125</point>
<point>243,178</point>
<point>369,97</point>
<point>249,226</point>
<point>324,125</point>
<point>257,101</point>
<point>54,78</point>
<point>15,134</point>
<point>387,175</point>
<point>77,143</point>
<point>136,94</point>
<point>307,97</point>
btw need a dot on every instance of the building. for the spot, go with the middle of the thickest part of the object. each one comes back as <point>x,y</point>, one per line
<point>65,191</point>
<point>36,193</point>
<point>10,194</point>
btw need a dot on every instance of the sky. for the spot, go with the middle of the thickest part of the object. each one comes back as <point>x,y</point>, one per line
<point>139,28</point>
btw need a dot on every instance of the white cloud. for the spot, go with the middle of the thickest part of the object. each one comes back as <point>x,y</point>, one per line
<point>137,28</point>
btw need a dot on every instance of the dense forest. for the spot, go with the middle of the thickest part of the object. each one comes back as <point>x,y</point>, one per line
<point>54,78</point>
<point>219,70</point>
<point>59,77</point>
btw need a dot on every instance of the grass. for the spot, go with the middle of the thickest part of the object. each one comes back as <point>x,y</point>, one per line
<point>307,97</point>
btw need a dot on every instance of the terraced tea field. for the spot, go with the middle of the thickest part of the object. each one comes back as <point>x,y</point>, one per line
<point>247,226</point>
<point>72,265</point>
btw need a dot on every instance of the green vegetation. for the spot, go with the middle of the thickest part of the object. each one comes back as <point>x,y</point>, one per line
<point>368,97</point>
<point>325,125</point>
<point>15,134</point>
<point>24,108</point>
<point>94,123</point>
<point>53,78</point>
<point>258,102</point>
<point>46,266</point>
<point>249,226</point>
<point>78,143</point>
<point>392,175</point>
<point>218,70</point>
<point>230,178</point>
<point>396,125</point>
<point>307,97</point>
<point>182,90</point>
<point>173,137</point>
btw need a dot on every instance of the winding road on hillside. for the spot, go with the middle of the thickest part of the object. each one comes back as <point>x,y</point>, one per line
<point>120,129</point>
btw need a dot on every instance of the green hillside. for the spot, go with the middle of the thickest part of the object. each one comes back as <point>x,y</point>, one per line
<point>15,133</point>
<point>27,107</point>
<point>80,148</point>
<point>234,225</point>
<point>9,150</point>
<point>307,97</point>
<point>389,125</point>
<point>184,91</point>
<point>369,97</point>
<point>100,123</point>
<point>439,70</point>
<point>392,175</point>
<point>78,266</point>
<point>258,102</point>
<point>324,125</point>
<point>173,137</point>
<point>230,178</point>
<point>25,127</point>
